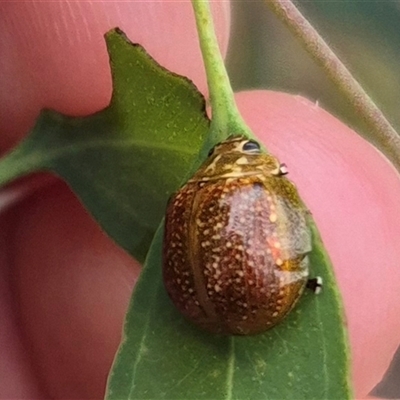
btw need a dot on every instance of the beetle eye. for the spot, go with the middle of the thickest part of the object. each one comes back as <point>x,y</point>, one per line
<point>251,147</point>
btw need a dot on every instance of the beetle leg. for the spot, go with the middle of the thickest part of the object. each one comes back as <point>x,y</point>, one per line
<point>315,284</point>
<point>283,170</point>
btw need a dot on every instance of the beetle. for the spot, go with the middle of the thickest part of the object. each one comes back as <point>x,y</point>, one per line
<point>236,241</point>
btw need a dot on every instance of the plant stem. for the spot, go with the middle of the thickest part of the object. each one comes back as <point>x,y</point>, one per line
<point>384,135</point>
<point>226,119</point>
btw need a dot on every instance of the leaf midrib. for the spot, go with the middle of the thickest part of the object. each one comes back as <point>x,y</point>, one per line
<point>56,153</point>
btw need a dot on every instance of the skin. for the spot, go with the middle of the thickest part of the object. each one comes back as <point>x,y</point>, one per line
<point>60,305</point>
<point>59,299</point>
<point>352,192</point>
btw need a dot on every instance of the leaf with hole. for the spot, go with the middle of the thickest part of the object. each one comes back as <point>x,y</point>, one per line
<point>124,161</point>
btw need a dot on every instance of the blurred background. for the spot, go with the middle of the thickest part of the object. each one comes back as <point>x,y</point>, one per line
<point>365,35</point>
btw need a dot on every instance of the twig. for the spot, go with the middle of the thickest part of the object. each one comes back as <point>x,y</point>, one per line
<point>385,136</point>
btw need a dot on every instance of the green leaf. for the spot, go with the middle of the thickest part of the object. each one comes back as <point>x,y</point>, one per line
<point>124,161</point>
<point>164,357</point>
